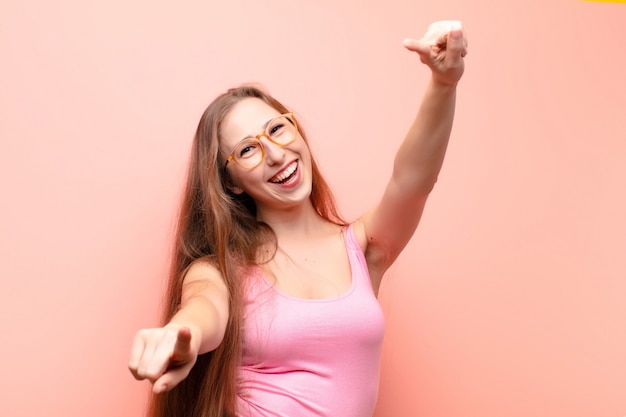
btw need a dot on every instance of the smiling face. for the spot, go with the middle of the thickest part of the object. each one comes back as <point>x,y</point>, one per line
<point>283,179</point>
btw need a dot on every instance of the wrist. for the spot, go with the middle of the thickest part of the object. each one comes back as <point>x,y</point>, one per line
<point>443,84</point>
<point>441,89</point>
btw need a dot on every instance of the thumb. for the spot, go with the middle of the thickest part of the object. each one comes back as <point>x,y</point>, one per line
<point>170,379</point>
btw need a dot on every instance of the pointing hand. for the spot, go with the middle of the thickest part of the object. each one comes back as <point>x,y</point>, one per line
<point>162,355</point>
<point>442,49</point>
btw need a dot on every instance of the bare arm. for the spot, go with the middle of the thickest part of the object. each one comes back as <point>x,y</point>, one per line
<point>204,307</point>
<point>166,355</point>
<point>387,228</point>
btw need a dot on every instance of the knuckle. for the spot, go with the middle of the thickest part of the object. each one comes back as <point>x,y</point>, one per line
<point>149,374</point>
<point>136,374</point>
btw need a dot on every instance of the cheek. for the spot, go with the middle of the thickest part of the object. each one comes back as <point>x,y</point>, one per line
<point>306,155</point>
<point>247,179</point>
<point>302,148</point>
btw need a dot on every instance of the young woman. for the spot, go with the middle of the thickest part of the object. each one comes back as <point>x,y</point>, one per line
<point>271,304</point>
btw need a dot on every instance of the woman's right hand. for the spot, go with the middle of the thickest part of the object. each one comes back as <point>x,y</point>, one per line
<point>164,356</point>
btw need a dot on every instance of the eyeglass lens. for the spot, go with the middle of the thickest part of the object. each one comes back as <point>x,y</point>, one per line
<point>249,153</point>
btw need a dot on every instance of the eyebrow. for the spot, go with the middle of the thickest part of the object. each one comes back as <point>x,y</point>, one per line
<point>264,127</point>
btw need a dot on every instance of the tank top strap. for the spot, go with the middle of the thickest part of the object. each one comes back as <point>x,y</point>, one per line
<point>357,257</point>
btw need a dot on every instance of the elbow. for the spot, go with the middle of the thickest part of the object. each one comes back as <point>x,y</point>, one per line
<point>417,184</point>
<point>429,185</point>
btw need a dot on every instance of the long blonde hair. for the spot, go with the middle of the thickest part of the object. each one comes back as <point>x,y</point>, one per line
<point>217,225</point>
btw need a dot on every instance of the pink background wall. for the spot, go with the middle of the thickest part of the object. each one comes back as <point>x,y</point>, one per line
<point>510,300</point>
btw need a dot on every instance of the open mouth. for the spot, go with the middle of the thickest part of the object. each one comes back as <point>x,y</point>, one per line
<point>286,174</point>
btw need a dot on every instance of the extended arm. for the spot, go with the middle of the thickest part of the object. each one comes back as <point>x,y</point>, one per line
<point>388,227</point>
<point>165,355</point>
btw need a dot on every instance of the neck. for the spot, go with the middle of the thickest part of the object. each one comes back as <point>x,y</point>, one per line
<point>299,221</point>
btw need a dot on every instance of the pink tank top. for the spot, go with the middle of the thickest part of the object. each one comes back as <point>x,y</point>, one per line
<point>305,358</point>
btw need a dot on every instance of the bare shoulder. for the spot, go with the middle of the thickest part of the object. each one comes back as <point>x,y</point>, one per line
<point>203,277</point>
<point>358,227</point>
<point>202,269</point>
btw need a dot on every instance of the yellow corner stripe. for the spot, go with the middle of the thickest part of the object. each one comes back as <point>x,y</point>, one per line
<point>606,1</point>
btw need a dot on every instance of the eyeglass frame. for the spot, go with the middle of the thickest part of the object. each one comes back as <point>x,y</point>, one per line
<point>289,116</point>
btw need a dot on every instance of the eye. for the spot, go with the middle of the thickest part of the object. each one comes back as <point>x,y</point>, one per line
<point>276,129</point>
<point>247,150</point>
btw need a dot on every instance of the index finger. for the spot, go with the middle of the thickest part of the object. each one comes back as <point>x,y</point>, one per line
<point>183,344</point>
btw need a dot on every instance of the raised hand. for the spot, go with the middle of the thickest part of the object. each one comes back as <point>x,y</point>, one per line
<point>163,355</point>
<point>442,49</point>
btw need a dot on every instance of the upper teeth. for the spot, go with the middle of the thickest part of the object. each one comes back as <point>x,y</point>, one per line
<point>286,172</point>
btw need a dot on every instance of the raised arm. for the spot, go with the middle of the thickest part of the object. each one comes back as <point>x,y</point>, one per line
<point>385,230</point>
<point>165,355</point>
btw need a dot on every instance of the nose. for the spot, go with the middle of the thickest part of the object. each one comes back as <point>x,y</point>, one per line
<point>274,154</point>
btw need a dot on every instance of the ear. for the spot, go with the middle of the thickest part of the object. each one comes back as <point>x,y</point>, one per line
<point>231,186</point>
<point>234,189</point>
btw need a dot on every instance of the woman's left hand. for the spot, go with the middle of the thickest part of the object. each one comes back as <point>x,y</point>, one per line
<point>442,49</point>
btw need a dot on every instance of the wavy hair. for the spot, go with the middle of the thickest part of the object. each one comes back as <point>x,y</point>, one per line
<point>220,227</point>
